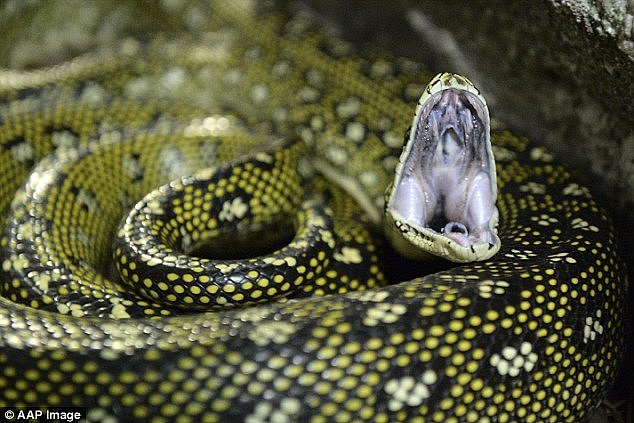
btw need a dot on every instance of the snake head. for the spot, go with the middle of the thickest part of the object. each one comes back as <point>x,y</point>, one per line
<point>442,199</point>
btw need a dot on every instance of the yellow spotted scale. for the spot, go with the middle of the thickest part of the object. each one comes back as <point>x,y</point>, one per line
<point>214,139</point>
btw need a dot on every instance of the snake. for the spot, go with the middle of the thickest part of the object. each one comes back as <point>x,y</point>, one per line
<point>197,230</point>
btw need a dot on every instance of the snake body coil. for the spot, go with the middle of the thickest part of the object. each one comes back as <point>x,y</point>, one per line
<point>532,334</point>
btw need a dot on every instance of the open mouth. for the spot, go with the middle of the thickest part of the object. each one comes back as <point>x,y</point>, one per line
<point>446,182</point>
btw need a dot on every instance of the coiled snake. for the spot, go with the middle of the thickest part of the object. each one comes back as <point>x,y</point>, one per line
<point>200,140</point>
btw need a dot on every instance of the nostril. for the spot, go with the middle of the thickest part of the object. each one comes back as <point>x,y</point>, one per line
<point>456,228</point>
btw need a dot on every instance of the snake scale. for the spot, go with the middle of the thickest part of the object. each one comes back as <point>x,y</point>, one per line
<point>212,127</point>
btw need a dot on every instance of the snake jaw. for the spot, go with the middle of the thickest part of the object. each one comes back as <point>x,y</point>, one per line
<point>442,200</point>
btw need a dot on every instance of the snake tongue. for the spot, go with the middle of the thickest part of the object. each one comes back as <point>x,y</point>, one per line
<point>442,199</point>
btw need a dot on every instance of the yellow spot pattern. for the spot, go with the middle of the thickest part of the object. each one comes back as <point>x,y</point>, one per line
<point>531,335</point>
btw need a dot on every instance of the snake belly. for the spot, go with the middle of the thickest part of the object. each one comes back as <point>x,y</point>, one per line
<point>532,334</point>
